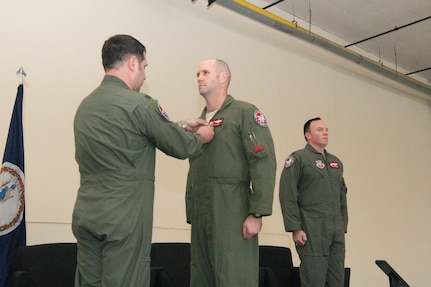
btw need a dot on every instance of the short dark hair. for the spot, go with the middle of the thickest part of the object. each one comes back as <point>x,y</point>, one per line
<point>307,125</point>
<point>120,47</point>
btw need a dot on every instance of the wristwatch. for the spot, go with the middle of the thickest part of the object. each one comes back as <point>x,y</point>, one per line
<point>184,125</point>
<point>256,215</point>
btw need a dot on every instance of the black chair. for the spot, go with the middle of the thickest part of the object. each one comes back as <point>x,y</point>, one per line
<point>395,280</point>
<point>22,279</point>
<point>161,278</point>
<point>170,261</point>
<point>44,265</point>
<point>278,262</point>
<point>54,265</point>
<point>170,265</point>
<point>267,278</point>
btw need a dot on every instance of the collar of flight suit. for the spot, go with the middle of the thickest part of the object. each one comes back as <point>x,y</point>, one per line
<point>229,100</point>
<point>115,81</point>
<point>312,149</point>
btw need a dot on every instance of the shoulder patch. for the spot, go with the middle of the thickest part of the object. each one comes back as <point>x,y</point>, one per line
<point>260,119</point>
<point>289,161</point>
<point>162,111</point>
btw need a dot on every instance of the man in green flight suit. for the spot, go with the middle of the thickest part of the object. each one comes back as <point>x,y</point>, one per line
<point>314,206</point>
<point>117,130</point>
<point>224,210</point>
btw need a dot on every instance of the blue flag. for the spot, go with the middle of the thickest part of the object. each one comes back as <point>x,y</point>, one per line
<point>12,214</point>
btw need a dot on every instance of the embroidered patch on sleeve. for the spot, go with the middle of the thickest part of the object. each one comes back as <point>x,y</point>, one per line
<point>260,119</point>
<point>258,148</point>
<point>163,112</point>
<point>289,161</point>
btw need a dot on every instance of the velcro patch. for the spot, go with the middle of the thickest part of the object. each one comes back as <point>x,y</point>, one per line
<point>288,162</point>
<point>320,164</point>
<point>334,164</point>
<point>217,122</point>
<point>163,112</point>
<point>260,119</point>
<point>258,148</point>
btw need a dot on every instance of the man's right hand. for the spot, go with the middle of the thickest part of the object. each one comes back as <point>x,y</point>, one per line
<point>193,125</point>
<point>299,237</point>
<point>206,133</point>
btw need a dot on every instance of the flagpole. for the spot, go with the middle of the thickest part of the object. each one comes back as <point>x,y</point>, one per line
<point>21,74</point>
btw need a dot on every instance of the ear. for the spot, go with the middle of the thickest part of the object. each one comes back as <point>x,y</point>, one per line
<point>132,63</point>
<point>223,77</point>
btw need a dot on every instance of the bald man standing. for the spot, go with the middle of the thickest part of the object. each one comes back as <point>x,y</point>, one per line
<point>230,186</point>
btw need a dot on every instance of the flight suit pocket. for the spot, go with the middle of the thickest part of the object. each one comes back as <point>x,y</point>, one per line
<point>315,226</point>
<point>254,146</point>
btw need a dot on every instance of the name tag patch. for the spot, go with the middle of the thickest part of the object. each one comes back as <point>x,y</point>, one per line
<point>217,122</point>
<point>334,164</point>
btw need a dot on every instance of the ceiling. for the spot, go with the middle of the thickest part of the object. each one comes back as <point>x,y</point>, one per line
<point>395,33</point>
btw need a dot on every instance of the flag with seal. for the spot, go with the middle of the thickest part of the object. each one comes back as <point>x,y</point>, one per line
<point>12,214</point>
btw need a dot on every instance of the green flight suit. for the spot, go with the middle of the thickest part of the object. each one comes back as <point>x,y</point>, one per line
<point>219,196</point>
<point>116,133</point>
<point>313,198</point>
